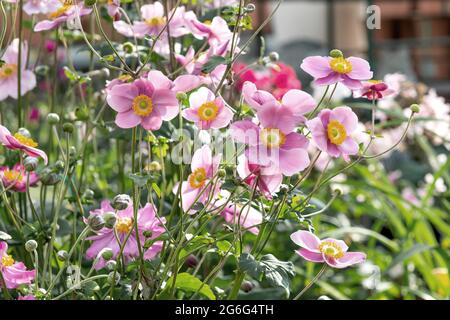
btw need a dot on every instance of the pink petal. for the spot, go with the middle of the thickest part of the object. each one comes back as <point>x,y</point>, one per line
<point>121,96</point>
<point>152,122</point>
<point>299,102</point>
<point>361,69</point>
<point>306,240</point>
<point>127,119</point>
<point>245,131</point>
<point>272,115</point>
<point>309,255</point>
<point>318,67</point>
<point>159,80</point>
<point>332,78</point>
<point>202,158</point>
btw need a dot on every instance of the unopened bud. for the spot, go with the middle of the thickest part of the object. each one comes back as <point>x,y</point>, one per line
<point>96,222</point>
<point>88,194</point>
<point>110,219</point>
<point>107,254</point>
<point>111,265</point>
<point>68,127</point>
<point>59,165</point>
<point>415,108</point>
<point>30,163</point>
<point>336,53</point>
<point>128,47</point>
<point>153,166</point>
<point>247,286</point>
<point>181,96</point>
<point>250,8</point>
<point>24,132</point>
<point>274,56</point>
<point>222,173</point>
<point>191,261</point>
<point>31,245</point>
<point>52,118</point>
<point>147,233</point>
<point>62,255</point>
<point>121,202</point>
<point>114,277</point>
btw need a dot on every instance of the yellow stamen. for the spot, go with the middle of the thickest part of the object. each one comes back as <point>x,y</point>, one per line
<point>142,105</point>
<point>341,65</point>
<point>7,70</point>
<point>271,137</point>
<point>124,225</point>
<point>331,249</point>
<point>7,260</point>
<point>12,175</point>
<point>25,140</point>
<point>66,6</point>
<point>156,21</point>
<point>336,132</point>
<point>375,81</point>
<point>208,111</point>
<point>197,178</point>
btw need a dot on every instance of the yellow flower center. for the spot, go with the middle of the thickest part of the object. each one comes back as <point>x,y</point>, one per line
<point>25,140</point>
<point>12,175</point>
<point>7,260</point>
<point>142,105</point>
<point>124,225</point>
<point>125,78</point>
<point>336,132</point>
<point>156,21</point>
<point>7,70</point>
<point>208,111</point>
<point>374,81</point>
<point>271,137</point>
<point>66,5</point>
<point>197,178</point>
<point>331,249</point>
<point>341,65</point>
<point>207,22</point>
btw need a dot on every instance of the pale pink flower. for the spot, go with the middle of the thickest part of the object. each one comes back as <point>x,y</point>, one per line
<point>327,70</point>
<point>14,273</point>
<point>207,111</point>
<point>38,6</point>
<point>112,8</point>
<point>19,142</point>
<point>332,132</point>
<point>15,179</point>
<point>331,251</point>
<point>216,31</point>
<point>374,90</point>
<point>67,11</point>
<point>9,72</point>
<point>147,220</point>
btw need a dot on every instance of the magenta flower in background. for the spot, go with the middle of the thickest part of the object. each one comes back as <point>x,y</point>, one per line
<point>14,273</point>
<point>9,72</point>
<point>327,70</point>
<point>331,251</point>
<point>198,188</point>
<point>19,142</point>
<point>267,179</point>
<point>33,114</point>
<point>273,143</point>
<point>331,131</point>
<point>148,101</point>
<point>50,46</point>
<point>374,90</point>
<point>106,238</point>
<point>67,11</point>
<point>207,111</point>
<point>16,178</point>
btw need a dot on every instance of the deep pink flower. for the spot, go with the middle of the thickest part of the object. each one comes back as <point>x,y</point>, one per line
<point>106,238</point>
<point>198,188</point>
<point>374,90</point>
<point>9,72</point>
<point>20,142</point>
<point>207,111</point>
<point>332,129</point>
<point>50,46</point>
<point>268,180</point>
<point>327,70</point>
<point>33,114</point>
<point>148,101</point>
<point>16,178</point>
<point>14,273</point>
<point>331,251</point>
<point>66,11</point>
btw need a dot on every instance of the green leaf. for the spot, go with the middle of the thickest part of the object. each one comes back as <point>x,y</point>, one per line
<point>213,62</point>
<point>189,283</point>
<point>417,248</point>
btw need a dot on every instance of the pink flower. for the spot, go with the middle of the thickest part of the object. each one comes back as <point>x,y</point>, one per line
<point>148,101</point>
<point>66,11</point>
<point>14,273</point>
<point>106,238</point>
<point>27,297</point>
<point>374,90</point>
<point>267,179</point>
<point>9,72</point>
<point>19,142</point>
<point>220,3</point>
<point>328,70</point>
<point>38,6</point>
<point>295,101</point>
<point>216,31</point>
<point>198,187</point>
<point>50,46</point>
<point>207,111</point>
<point>332,129</point>
<point>33,114</point>
<point>113,7</point>
<point>16,178</point>
<point>331,251</point>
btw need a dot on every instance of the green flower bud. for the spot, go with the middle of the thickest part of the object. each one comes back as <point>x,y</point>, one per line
<point>111,265</point>
<point>88,194</point>
<point>68,127</point>
<point>128,47</point>
<point>90,3</point>
<point>113,277</point>
<point>31,245</point>
<point>250,8</point>
<point>415,108</point>
<point>147,233</point>
<point>181,96</point>
<point>62,255</point>
<point>82,113</point>
<point>110,219</point>
<point>41,70</point>
<point>52,118</point>
<point>107,254</point>
<point>153,166</point>
<point>59,165</point>
<point>121,202</point>
<point>96,222</point>
<point>30,163</point>
<point>222,173</point>
<point>336,53</point>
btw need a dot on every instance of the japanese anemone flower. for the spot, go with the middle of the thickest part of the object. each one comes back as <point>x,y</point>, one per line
<point>14,273</point>
<point>331,251</point>
<point>374,90</point>
<point>38,6</point>
<point>67,11</point>
<point>16,178</point>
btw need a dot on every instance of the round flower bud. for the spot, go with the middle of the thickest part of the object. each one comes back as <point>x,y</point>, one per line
<point>114,277</point>
<point>90,3</point>
<point>30,163</point>
<point>110,219</point>
<point>191,261</point>
<point>274,56</point>
<point>96,222</point>
<point>111,265</point>
<point>68,127</point>
<point>121,202</point>
<point>153,166</point>
<point>59,165</point>
<point>31,245</point>
<point>88,194</point>
<point>415,108</point>
<point>62,255</point>
<point>222,173</point>
<point>181,96</point>
<point>48,177</point>
<point>82,113</point>
<point>24,132</point>
<point>247,286</point>
<point>128,47</point>
<point>41,70</point>
<point>336,53</point>
<point>53,118</point>
<point>107,254</point>
<point>250,8</point>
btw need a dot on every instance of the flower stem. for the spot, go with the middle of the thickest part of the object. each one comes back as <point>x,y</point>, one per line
<point>314,280</point>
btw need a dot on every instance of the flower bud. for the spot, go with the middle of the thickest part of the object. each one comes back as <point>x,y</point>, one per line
<point>41,70</point>
<point>128,47</point>
<point>52,118</point>
<point>222,173</point>
<point>110,219</point>
<point>107,254</point>
<point>250,8</point>
<point>59,165</point>
<point>30,163</point>
<point>191,261</point>
<point>121,202</point>
<point>247,286</point>
<point>147,233</point>
<point>24,132</point>
<point>48,177</point>
<point>82,113</point>
<point>31,245</point>
<point>62,255</point>
<point>88,194</point>
<point>415,108</point>
<point>111,265</point>
<point>72,151</point>
<point>181,96</point>
<point>274,56</point>
<point>336,53</point>
<point>68,127</point>
<point>153,166</point>
<point>96,222</point>
<point>113,277</point>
